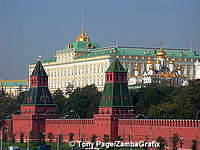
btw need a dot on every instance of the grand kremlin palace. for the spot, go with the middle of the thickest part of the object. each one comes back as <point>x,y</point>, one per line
<point>83,62</point>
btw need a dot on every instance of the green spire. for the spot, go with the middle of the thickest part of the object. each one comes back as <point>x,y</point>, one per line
<point>38,93</point>
<point>116,66</point>
<point>39,70</point>
<point>115,93</point>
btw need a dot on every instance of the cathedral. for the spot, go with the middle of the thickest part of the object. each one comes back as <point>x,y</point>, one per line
<point>115,117</point>
<point>83,62</point>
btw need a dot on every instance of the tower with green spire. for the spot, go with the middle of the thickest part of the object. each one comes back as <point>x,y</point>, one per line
<point>115,102</point>
<point>36,108</point>
<point>115,98</point>
<point>38,93</point>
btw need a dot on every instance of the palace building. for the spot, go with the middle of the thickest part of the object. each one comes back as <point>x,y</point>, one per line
<point>115,117</point>
<point>83,62</point>
<point>13,87</point>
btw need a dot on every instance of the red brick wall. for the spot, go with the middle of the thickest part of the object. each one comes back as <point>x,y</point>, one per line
<point>141,129</point>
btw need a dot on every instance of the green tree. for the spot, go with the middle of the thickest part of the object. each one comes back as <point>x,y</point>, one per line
<point>150,95</point>
<point>41,138</point>
<point>175,139</point>
<point>21,137</point>
<point>194,144</point>
<point>50,136</point>
<point>93,138</point>
<point>83,102</point>
<point>60,100</point>
<point>71,136</point>
<point>106,138</point>
<point>162,142</point>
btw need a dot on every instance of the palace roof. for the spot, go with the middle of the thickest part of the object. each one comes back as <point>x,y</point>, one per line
<point>13,83</point>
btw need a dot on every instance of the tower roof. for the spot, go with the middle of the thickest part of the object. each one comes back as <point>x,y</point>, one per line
<point>115,93</point>
<point>39,93</point>
<point>116,66</point>
<point>38,70</point>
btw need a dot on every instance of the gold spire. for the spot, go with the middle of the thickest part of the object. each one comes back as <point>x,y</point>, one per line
<point>83,36</point>
<point>161,53</point>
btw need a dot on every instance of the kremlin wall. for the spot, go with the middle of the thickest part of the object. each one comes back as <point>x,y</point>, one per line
<point>115,116</point>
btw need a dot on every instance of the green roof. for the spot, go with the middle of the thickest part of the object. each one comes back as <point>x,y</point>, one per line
<point>140,52</point>
<point>82,45</point>
<point>51,59</point>
<point>18,83</point>
<point>116,66</point>
<point>115,95</point>
<point>39,70</point>
<point>38,95</point>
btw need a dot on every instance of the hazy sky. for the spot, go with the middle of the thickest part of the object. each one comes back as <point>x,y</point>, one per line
<point>29,28</point>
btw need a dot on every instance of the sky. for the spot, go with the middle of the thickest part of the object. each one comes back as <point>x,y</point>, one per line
<point>29,28</point>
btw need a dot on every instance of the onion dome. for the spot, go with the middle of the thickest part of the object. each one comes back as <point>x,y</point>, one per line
<point>158,62</point>
<point>151,67</point>
<point>149,61</point>
<point>136,67</point>
<point>83,37</point>
<point>179,67</point>
<point>161,53</point>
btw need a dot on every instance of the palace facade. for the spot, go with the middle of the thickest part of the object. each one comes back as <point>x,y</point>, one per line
<point>115,117</point>
<point>83,62</point>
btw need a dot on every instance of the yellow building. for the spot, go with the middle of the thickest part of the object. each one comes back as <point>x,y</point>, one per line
<point>13,87</point>
<point>83,62</point>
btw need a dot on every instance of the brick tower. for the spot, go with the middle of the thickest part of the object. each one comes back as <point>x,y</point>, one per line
<point>115,102</point>
<point>37,106</point>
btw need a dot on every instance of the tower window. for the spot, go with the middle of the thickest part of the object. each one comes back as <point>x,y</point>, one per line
<point>110,76</point>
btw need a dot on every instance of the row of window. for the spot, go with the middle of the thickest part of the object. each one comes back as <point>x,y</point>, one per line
<point>77,83</point>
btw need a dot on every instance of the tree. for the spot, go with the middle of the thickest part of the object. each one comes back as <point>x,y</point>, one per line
<point>162,142</point>
<point>106,138</point>
<point>118,138</point>
<point>175,139</point>
<point>41,138</point>
<point>71,136</point>
<point>83,102</point>
<point>13,138</point>
<point>21,137</point>
<point>69,89</point>
<point>50,136</point>
<point>194,144</point>
<point>60,100</point>
<point>93,138</point>
<point>150,95</point>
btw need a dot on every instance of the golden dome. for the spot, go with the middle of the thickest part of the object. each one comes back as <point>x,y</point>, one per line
<point>171,62</point>
<point>151,67</point>
<point>161,53</point>
<point>179,67</point>
<point>83,37</point>
<point>136,67</point>
<point>158,61</point>
<point>149,62</point>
